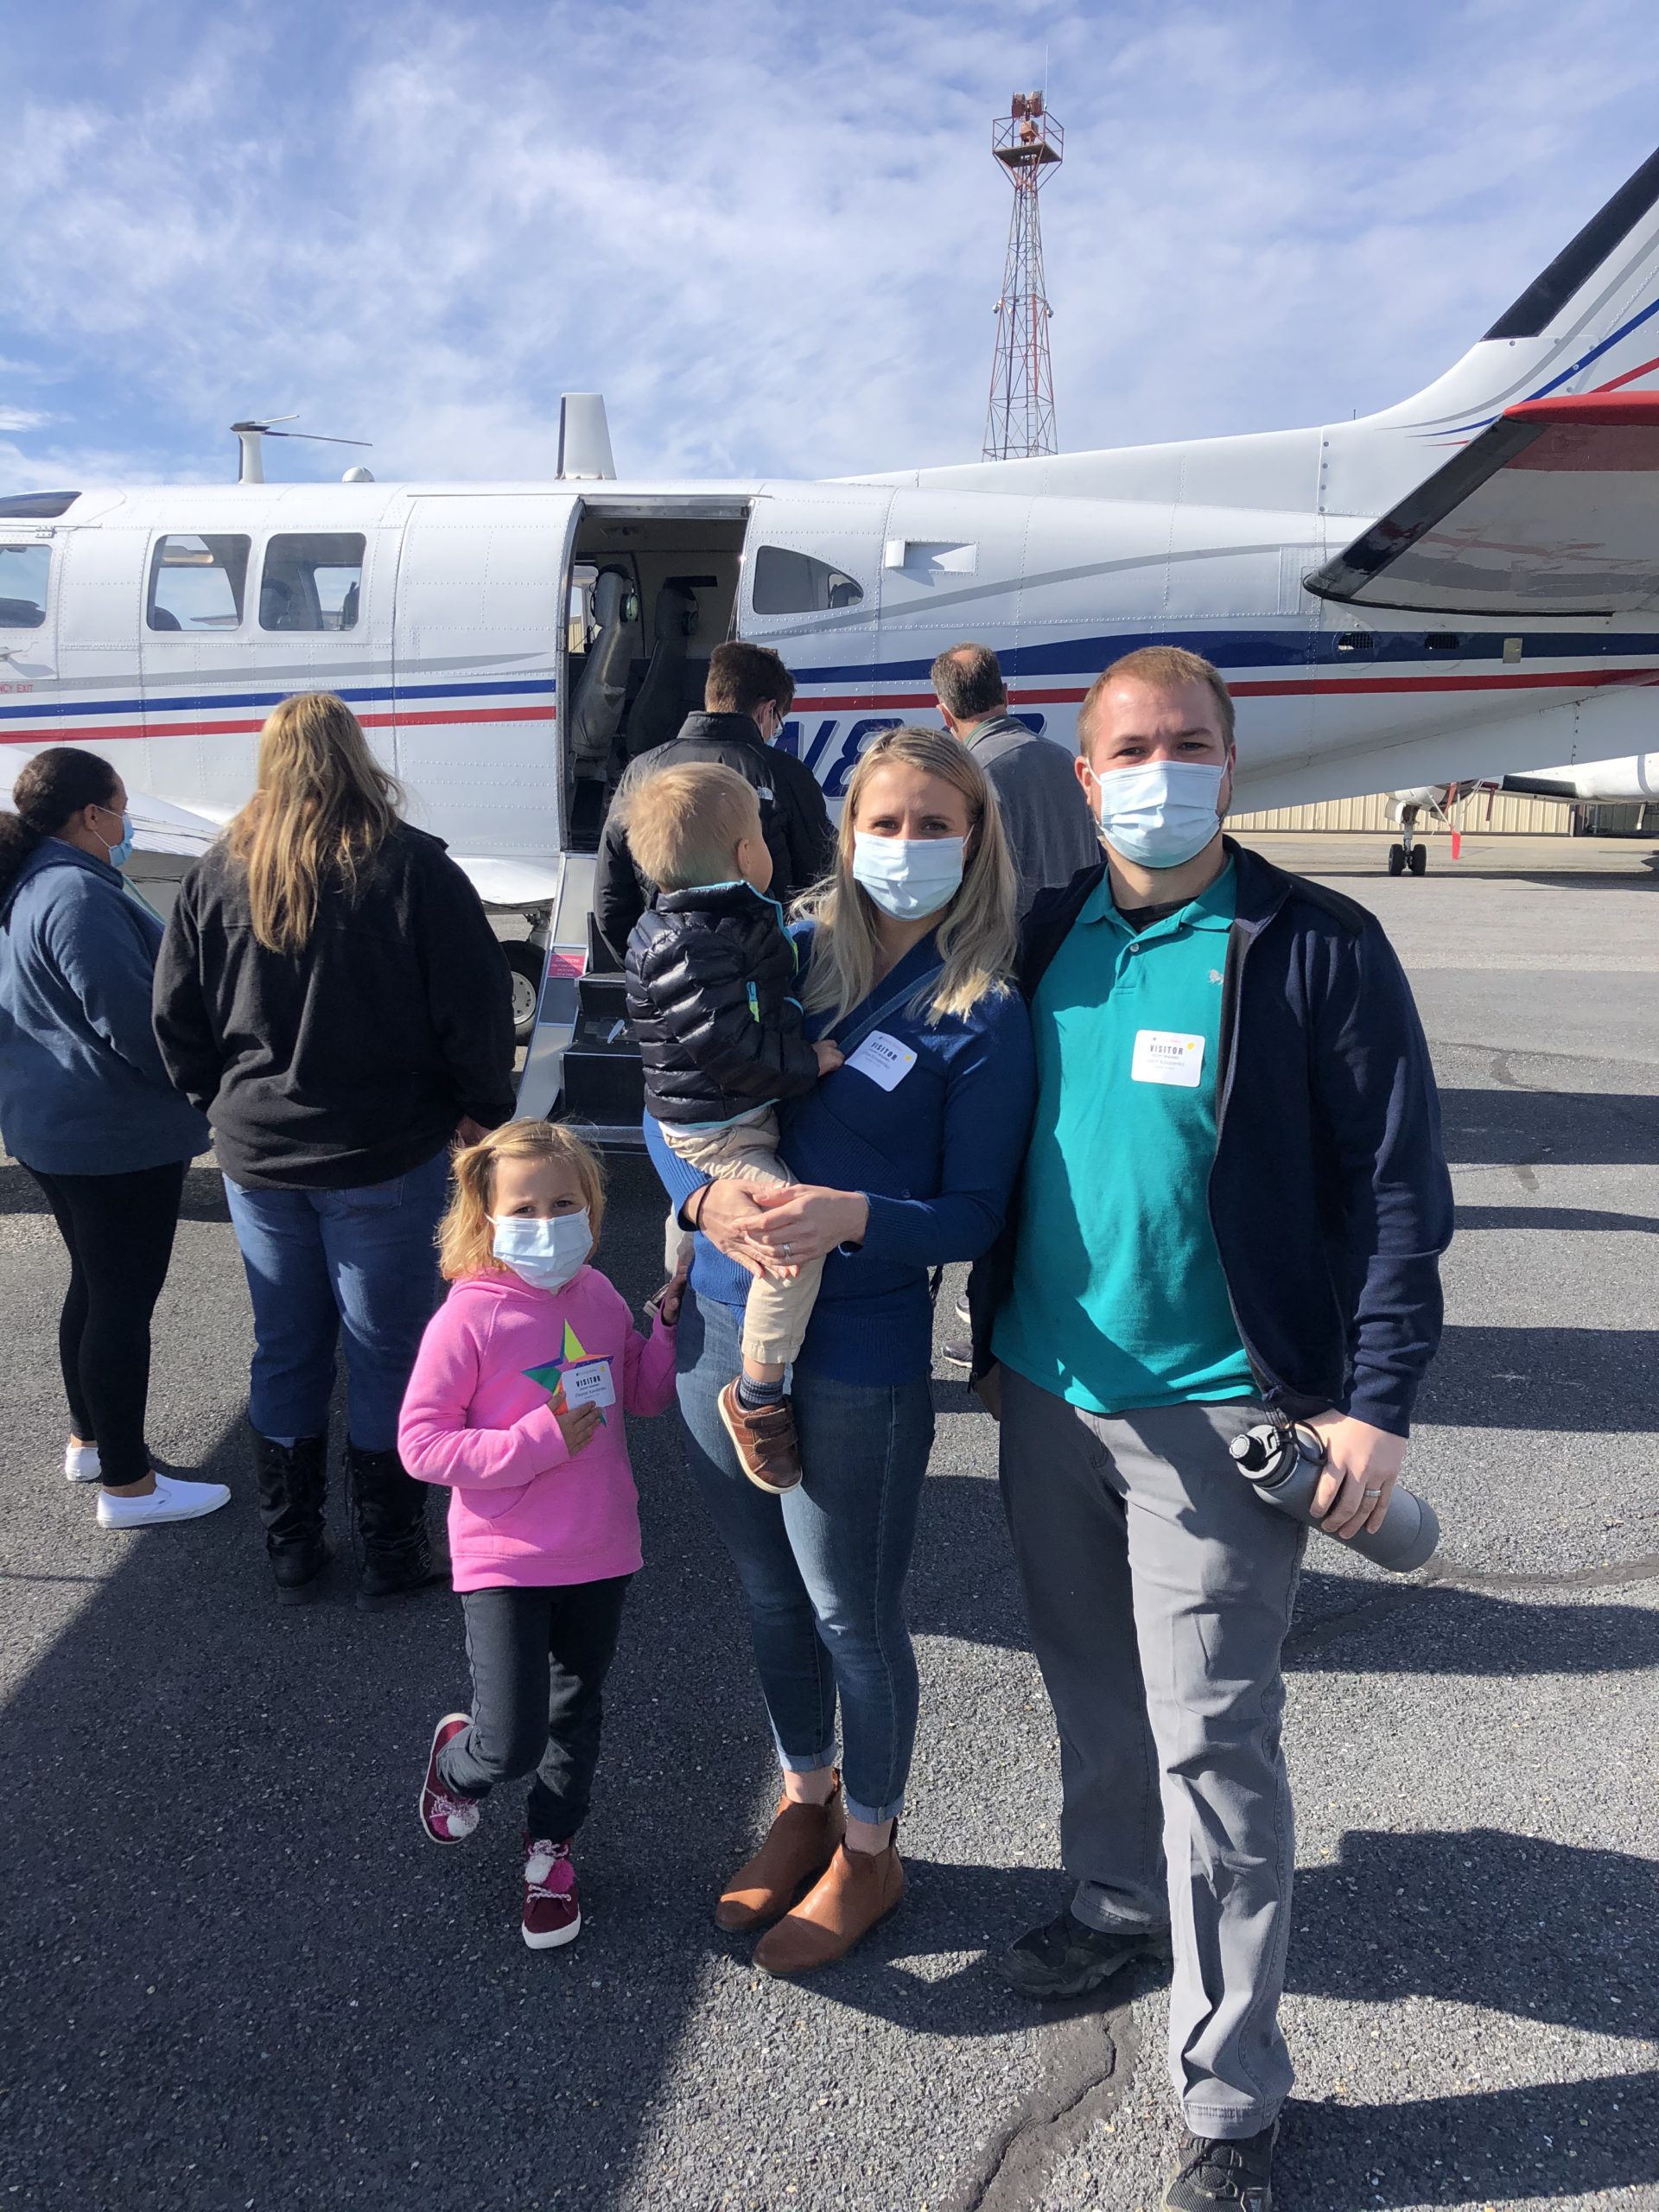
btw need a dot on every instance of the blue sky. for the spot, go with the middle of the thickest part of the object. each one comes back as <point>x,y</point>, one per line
<point>771,234</point>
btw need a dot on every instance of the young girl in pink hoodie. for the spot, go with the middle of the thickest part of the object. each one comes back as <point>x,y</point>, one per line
<point>516,1402</point>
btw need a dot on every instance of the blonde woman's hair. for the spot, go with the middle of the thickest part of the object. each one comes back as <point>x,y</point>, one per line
<point>465,1234</point>
<point>683,823</point>
<point>323,808</point>
<point>976,933</point>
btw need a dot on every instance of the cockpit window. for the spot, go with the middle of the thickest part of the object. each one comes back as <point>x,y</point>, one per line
<point>313,579</point>
<point>794,583</point>
<point>197,583</point>
<point>23,570</point>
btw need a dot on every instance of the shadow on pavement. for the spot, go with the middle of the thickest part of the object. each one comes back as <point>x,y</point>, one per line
<point>1511,1125</point>
<point>1556,2139</point>
<point>1584,1380</point>
<point>204,1194</point>
<point>963,1586</point>
<point>1571,1221</point>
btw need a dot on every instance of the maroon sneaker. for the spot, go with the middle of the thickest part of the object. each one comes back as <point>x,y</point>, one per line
<point>447,1818</point>
<point>552,1901</point>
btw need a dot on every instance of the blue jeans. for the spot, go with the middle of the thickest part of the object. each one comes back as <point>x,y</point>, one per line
<point>321,1261</point>
<point>823,1567</point>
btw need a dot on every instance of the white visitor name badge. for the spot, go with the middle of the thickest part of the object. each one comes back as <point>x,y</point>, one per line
<point>588,1383</point>
<point>883,1058</point>
<point>1167,1056</point>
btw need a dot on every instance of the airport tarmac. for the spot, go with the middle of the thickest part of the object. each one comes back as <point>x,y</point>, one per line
<point>236,1976</point>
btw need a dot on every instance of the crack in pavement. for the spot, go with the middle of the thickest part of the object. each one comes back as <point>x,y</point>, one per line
<point>1091,2057</point>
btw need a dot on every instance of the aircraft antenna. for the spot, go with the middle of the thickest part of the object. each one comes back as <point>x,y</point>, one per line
<point>1027,144</point>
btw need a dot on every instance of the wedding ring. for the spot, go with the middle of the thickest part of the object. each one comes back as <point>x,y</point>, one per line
<point>1371,1493</point>
<point>788,1254</point>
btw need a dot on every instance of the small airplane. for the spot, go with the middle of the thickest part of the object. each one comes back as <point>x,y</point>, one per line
<point>1632,781</point>
<point>1465,584</point>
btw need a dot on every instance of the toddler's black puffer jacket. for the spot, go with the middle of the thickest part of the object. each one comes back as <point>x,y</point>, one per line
<point>711,984</point>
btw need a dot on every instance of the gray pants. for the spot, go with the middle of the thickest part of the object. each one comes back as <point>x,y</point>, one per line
<point>1160,1589</point>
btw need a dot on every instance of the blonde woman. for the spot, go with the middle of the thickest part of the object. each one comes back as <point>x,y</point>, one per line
<point>331,996</point>
<point>905,1157</point>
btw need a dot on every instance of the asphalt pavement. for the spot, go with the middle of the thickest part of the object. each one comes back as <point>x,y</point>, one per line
<point>235,1976</point>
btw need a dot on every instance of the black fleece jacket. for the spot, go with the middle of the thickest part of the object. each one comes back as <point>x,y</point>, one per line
<point>794,819</point>
<point>349,1062</point>
<point>711,979</point>
<point>1329,1196</point>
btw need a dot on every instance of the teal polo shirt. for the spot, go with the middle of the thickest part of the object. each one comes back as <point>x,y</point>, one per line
<point>1118,1300</point>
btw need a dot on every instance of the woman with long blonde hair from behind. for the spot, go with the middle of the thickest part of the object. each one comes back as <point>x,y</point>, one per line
<point>906,1156</point>
<point>332,996</point>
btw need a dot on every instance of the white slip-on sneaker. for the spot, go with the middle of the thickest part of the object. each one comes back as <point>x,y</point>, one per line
<point>81,1463</point>
<point>172,1499</point>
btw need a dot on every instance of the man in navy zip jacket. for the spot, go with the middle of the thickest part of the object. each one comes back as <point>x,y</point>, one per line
<point>1235,1199</point>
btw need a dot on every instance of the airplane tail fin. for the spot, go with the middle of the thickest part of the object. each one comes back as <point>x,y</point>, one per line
<point>1589,322</point>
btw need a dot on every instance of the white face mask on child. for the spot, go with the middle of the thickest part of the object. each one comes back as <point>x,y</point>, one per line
<point>544,1254</point>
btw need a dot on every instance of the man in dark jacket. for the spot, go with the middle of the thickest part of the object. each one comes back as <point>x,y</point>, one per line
<point>746,700</point>
<point>1234,1200</point>
<point>1045,817</point>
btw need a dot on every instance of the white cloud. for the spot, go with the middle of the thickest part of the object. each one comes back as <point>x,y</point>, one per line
<point>773,240</point>
<point>22,418</point>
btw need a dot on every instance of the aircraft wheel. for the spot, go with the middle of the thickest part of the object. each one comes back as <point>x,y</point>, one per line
<point>1396,859</point>
<point>525,962</point>
<point>1419,860</point>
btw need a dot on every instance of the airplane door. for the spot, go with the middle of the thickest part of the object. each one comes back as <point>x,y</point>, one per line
<point>479,633</point>
<point>99,585</point>
<point>812,591</point>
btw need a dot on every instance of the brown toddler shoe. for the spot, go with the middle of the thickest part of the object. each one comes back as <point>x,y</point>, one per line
<point>764,1439</point>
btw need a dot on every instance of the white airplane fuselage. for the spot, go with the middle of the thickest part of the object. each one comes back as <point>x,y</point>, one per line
<point>460,652</point>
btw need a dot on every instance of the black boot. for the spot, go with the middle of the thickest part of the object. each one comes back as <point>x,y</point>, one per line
<point>293,1480</point>
<point>391,1520</point>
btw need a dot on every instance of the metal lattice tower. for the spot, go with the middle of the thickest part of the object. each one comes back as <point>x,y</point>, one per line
<point>1028,143</point>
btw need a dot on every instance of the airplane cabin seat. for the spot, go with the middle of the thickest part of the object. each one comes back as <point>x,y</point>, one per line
<point>659,704</point>
<point>597,704</point>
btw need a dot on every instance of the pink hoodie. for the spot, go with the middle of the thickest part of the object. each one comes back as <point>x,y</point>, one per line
<point>523,1513</point>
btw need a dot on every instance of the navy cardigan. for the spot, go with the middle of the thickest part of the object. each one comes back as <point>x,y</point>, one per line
<point>1329,1195</point>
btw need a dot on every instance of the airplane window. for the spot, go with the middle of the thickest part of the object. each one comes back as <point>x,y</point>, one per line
<point>197,583</point>
<point>22,586</point>
<point>313,579</point>
<point>794,583</point>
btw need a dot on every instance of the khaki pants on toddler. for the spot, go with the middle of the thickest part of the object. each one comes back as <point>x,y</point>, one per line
<point>775,1318</point>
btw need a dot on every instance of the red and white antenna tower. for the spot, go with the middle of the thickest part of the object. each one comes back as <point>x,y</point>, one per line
<point>1028,143</point>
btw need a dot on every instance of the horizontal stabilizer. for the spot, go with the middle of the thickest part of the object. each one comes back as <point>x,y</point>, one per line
<point>1552,509</point>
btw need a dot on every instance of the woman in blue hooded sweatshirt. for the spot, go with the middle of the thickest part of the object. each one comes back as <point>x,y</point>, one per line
<point>86,1105</point>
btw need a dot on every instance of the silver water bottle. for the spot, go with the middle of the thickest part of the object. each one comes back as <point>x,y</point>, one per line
<point>1284,1465</point>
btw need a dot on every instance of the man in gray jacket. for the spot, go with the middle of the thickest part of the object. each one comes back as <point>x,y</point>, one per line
<point>1045,817</point>
<point>1050,830</point>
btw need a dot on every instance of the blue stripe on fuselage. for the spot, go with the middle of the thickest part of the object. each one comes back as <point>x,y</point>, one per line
<point>217,701</point>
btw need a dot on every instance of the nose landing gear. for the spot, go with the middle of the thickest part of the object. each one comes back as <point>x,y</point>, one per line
<point>1407,857</point>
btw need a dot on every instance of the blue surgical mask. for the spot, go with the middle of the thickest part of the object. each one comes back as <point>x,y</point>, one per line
<point>120,853</point>
<point>908,877</point>
<point>1159,812</point>
<point>544,1254</point>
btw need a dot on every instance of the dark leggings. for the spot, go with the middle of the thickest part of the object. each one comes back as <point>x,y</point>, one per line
<point>119,1232</point>
<point>539,1660</point>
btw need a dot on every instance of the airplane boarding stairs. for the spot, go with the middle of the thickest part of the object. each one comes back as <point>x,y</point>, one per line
<point>604,1093</point>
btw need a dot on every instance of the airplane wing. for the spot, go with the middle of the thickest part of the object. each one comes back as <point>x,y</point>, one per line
<point>169,832</point>
<point>1551,510</point>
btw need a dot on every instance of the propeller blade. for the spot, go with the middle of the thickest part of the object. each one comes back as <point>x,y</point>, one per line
<point>317,437</point>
